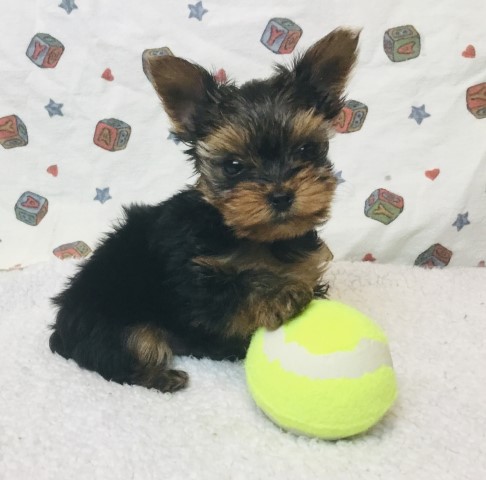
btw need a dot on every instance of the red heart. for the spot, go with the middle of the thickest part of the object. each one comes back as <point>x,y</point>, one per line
<point>432,174</point>
<point>220,76</point>
<point>368,258</point>
<point>52,170</point>
<point>482,264</point>
<point>470,52</point>
<point>107,75</point>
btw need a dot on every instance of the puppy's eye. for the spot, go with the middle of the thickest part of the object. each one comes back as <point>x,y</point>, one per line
<point>232,167</point>
<point>308,150</point>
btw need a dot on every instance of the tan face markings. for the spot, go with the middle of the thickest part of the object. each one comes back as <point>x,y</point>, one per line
<point>246,209</point>
<point>226,139</point>
<point>309,125</point>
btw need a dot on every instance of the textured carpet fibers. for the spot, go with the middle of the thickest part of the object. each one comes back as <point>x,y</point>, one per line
<point>60,422</point>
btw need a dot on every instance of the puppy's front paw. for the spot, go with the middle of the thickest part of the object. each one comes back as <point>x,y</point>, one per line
<point>320,290</point>
<point>285,304</point>
<point>271,301</point>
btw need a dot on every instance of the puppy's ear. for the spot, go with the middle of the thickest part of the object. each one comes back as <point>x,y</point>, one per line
<point>187,92</point>
<point>320,75</point>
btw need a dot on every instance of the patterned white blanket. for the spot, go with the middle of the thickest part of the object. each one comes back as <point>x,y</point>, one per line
<point>82,132</point>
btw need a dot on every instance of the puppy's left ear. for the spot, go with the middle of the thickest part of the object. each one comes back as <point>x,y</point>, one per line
<point>321,74</point>
<point>188,93</point>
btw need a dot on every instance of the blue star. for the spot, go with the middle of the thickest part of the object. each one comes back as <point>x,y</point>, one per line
<point>54,108</point>
<point>418,114</point>
<point>172,136</point>
<point>197,11</point>
<point>339,177</point>
<point>102,194</point>
<point>68,5</point>
<point>461,221</point>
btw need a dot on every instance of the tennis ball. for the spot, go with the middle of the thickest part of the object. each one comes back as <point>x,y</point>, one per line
<point>327,373</point>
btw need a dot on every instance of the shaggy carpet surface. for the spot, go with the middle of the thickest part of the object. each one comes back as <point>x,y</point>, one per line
<point>60,422</point>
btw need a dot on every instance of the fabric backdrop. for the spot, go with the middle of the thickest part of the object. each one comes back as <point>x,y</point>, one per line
<point>411,156</point>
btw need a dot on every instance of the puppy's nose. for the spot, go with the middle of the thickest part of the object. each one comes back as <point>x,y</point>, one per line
<point>281,201</point>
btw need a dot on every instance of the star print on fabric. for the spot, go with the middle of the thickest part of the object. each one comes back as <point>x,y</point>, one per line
<point>461,221</point>
<point>68,5</point>
<point>197,11</point>
<point>418,114</point>
<point>102,194</point>
<point>54,108</point>
<point>172,136</point>
<point>339,177</point>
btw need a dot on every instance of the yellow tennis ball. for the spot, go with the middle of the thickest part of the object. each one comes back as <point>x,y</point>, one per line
<point>327,373</point>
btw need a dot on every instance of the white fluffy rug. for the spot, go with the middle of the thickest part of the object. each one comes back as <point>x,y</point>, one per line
<point>59,422</point>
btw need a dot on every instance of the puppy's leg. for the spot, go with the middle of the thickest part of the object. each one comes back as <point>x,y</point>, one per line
<point>247,299</point>
<point>271,300</point>
<point>149,347</point>
<point>136,355</point>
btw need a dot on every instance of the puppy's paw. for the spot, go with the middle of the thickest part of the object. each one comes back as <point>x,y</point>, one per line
<point>161,379</point>
<point>286,303</point>
<point>174,380</point>
<point>321,290</point>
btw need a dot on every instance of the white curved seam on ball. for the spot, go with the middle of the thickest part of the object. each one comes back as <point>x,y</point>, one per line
<point>366,357</point>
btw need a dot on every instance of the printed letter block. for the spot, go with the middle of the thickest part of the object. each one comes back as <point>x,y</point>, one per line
<point>435,256</point>
<point>31,208</point>
<point>153,52</point>
<point>401,43</point>
<point>44,50</point>
<point>281,35</point>
<point>351,117</point>
<point>383,206</point>
<point>77,249</point>
<point>476,100</point>
<point>112,134</point>
<point>13,132</point>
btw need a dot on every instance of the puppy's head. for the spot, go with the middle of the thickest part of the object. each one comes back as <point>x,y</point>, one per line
<point>261,150</point>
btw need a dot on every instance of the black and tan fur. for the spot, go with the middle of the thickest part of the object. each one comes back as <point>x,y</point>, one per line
<point>199,272</point>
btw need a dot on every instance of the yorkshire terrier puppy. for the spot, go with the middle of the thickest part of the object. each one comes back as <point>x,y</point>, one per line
<point>198,273</point>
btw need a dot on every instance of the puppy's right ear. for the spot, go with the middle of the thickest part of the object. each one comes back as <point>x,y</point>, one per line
<point>318,78</point>
<point>187,91</point>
